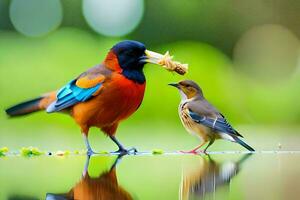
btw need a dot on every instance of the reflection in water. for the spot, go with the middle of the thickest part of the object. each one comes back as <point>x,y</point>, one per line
<point>103,187</point>
<point>207,177</point>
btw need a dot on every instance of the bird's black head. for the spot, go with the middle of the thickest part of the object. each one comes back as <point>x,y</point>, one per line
<point>131,58</point>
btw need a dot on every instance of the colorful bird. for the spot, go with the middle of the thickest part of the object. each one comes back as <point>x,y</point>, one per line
<point>103,95</point>
<point>203,120</point>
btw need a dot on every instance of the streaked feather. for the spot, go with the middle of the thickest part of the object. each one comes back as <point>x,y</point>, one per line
<point>219,124</point>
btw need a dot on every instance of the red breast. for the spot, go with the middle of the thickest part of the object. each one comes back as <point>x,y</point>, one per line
<point>118,99</point>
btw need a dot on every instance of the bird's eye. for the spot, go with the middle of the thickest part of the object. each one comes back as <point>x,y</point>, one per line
<point>190,88</point>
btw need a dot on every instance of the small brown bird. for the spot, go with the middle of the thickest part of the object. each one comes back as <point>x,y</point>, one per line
<point>203,120</point>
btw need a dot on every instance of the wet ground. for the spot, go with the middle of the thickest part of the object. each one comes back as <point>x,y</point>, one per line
<point>221,175</point>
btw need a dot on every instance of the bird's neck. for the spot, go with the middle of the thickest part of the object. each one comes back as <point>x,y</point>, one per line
<point>111,62</point>
<point>185,98</point>
<point>135,75</point>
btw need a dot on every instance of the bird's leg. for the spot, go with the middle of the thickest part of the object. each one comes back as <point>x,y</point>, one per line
<point>194,151</point>
<point>121,150</point>
<point>210,143</point>
<point>87,145</point>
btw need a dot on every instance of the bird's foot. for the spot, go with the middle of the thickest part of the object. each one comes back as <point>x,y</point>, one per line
<point>90,152</point>
<point>193,151</point>
<point>123,151</point>
<point>190,152</point>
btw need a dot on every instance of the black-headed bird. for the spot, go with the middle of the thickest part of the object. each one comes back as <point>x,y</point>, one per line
<point>202,119</point>
<point>104,95</point>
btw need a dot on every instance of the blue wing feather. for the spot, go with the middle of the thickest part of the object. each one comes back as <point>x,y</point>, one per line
<point>71,94</point>
<point>219,124</point>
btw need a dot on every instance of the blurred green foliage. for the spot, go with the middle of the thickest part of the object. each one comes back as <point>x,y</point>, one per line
<point>203,34</point>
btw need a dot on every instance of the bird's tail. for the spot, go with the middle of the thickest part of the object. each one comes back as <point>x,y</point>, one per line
<point>30,106</point>
<point>241,142</point>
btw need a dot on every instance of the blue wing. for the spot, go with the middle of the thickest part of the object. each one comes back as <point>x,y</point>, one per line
<point>71,94</point>
<point>219,124</point>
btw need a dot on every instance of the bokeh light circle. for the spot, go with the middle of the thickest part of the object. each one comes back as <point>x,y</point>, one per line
<point>35,17</point>
<point>267,52</point>
<point>113,17</point>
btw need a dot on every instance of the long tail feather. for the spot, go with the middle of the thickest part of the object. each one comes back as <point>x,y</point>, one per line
<point>24,107</point>
<point>241,142</point>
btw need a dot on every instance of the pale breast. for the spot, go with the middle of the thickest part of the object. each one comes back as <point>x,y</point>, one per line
<point>191,126</point>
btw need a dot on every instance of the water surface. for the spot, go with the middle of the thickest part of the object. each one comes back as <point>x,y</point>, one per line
<point>170,176</point>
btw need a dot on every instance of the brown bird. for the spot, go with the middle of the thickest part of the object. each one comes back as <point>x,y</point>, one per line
<point>203,120</point>
<point>103,187</point>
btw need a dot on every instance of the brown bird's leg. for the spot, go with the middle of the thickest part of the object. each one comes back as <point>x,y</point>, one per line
<point>194,151</point>
<point>210,143</point>
<point>121,150</point>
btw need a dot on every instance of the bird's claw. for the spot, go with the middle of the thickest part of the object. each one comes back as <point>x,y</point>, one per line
<point>132,150</point>
<point>90,152</point>
<point>126,151</point>
<point>194,152</point>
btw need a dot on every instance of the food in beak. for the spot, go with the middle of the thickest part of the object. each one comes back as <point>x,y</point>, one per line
<point>166,62</point>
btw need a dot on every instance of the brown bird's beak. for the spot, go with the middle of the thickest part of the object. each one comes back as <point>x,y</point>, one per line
<point>174,85</point>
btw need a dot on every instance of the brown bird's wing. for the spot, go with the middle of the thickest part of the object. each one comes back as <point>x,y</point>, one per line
<point>201,111</point>
<point>203,108</point>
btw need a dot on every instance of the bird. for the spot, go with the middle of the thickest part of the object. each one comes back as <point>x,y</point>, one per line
<point>202,119</point>
<point>206,177</point>
<point>102,96</point>
<point>103,186</point>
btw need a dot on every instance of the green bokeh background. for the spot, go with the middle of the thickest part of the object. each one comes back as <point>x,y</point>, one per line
<point>262,105</point>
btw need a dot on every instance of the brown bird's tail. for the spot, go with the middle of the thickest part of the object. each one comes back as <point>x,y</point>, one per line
<point>244,144</point>
<point>31,106</point>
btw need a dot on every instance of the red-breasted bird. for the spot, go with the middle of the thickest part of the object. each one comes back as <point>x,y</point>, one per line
<point>203,120</point>
<point>103,95</point>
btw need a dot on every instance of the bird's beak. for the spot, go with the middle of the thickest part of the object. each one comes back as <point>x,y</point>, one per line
<point>174,85</point>
<point>153,57</point>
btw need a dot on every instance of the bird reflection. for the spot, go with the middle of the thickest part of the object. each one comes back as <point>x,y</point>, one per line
<point>208,177</point>
<point>103,187</point>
